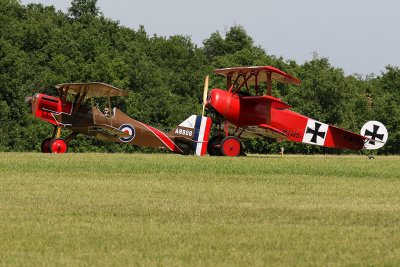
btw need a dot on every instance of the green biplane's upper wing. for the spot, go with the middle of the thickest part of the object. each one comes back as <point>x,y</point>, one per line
<point>92,89</point>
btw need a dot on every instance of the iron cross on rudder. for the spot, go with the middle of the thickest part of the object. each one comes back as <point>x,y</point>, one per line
<point>374,134</point>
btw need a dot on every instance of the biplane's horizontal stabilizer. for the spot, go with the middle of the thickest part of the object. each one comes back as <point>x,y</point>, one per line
<point>195,129</point>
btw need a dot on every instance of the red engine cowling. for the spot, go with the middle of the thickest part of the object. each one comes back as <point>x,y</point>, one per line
<point>236,110</point>
<point>44,107</point>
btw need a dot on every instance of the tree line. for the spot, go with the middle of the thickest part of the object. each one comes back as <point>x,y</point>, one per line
<point>41,47</point>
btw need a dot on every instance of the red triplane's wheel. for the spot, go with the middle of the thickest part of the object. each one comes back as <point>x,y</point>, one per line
<point>58,145</point>
<point>231,146</point>
<point>213,147</point>
<point>45,145</point>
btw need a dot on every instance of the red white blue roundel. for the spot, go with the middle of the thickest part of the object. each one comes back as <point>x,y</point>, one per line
<point>127,128</point>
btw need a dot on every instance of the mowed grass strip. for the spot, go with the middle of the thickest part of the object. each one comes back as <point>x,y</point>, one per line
<point>121,209</point>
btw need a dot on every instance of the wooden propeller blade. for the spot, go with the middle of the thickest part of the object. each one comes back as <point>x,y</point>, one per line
<point>205,94</point>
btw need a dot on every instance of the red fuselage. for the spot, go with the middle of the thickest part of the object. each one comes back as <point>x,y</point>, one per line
<point>235,110</point>
<point>243,111</point>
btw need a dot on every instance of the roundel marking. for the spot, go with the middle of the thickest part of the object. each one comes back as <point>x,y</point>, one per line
<point>127,128</point>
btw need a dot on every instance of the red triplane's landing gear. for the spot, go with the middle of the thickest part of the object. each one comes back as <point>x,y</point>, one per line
<point>213,146</point>
<point>230,146</point>
<point>224,146</point>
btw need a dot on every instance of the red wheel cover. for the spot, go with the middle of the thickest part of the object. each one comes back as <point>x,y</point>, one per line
<point>231,147</point>
<point>58,146</point>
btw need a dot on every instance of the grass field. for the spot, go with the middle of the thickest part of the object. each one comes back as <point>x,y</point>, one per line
<point>170,210</point>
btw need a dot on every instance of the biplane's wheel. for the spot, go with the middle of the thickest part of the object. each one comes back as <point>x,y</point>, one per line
<point>58,145</point>
<point>231,146</point>
<point>212,150</point>
<point>45,145</point>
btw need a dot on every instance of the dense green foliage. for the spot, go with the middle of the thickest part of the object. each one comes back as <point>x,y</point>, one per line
<point>41,47</point>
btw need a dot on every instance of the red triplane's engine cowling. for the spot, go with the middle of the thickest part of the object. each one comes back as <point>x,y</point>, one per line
<point>236,109</point>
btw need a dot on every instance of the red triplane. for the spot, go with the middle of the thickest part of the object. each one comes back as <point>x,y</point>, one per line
<point>235,112</point>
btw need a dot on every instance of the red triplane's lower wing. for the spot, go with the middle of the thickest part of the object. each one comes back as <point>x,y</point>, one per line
<point>264,130</point>
<point>255,131</point>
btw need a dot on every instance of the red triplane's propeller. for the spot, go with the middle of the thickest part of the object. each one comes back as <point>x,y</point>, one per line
<point>205,94</point>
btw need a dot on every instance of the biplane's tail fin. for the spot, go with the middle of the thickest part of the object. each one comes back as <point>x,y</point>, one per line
<point>195,129</point>
<point>376,133</point>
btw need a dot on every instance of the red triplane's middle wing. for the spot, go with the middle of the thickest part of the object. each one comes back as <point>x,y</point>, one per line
<point>275,102</point>
<point>256,131</point>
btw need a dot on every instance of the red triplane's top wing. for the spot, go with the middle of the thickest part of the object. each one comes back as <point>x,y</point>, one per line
<point>276,75</point>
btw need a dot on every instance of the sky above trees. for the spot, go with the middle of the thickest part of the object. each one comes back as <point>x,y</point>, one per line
<point>359,36</point>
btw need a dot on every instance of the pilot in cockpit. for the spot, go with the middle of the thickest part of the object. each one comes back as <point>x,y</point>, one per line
<point>106,112</point>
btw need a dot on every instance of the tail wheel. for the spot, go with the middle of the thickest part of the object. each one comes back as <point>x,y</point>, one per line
<point>212,150</point>
<point>45,145</point>
<point>231,146</point>
<point>58,145</point>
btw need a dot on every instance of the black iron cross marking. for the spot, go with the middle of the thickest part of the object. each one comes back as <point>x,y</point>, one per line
<point>315,132</point>
<point>374,134</point>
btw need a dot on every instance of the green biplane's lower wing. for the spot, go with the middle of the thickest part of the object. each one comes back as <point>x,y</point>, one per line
<point>100,131</point>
